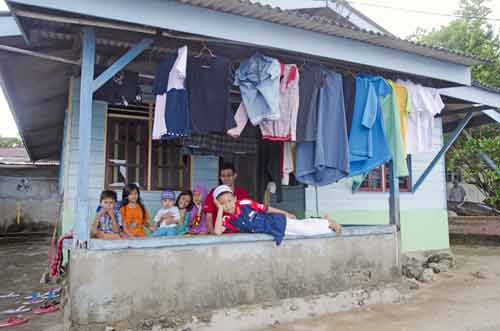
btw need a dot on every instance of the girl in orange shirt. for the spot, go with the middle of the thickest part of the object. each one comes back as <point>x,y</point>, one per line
<point>134,214</point>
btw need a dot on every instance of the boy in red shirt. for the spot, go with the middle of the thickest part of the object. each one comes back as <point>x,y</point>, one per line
<point>251,217</point>
<point>227,176</point>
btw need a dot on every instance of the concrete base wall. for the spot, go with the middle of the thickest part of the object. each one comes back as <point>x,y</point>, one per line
<point>35,191</point>
<point>118,285</point>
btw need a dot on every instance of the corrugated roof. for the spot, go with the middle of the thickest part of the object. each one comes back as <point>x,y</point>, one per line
<point>332,27</point>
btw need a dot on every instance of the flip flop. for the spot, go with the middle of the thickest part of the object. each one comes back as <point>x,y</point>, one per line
<point>9,295</point>
<point>46,309</point>
<point>34,295</point>
<point>35,301</point>
<point>18,310</point>
<point>13,321</point>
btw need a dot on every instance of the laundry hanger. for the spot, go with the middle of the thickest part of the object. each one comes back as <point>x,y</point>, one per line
<point>203,49</point>
<point>210,53</point>
<point>302,65</point>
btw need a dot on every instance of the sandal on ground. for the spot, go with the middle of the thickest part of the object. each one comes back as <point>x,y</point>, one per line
<point>13,321</point>
<point>18,310</point>
<point>50,308</point>
<point>9,295</point>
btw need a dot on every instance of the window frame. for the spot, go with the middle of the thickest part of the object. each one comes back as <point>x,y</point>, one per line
<point>385,184</point>
<point>144,114</point>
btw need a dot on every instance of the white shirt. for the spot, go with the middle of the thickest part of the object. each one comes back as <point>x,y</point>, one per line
<point>176,79</point>
<point>174,210</point>
<point>426,103</point>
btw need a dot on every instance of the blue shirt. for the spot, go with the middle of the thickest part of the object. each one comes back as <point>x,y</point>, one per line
<point>259,82</point>
<point>368,146</point>
<point>252,217</point>
<point>105,223</point>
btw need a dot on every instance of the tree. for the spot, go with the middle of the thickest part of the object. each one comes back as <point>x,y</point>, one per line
<point>10,142</point>
<point>464,158</point>
<point>473,34</point>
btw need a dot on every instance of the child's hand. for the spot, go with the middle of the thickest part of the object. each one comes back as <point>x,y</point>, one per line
<point>102,212</point>
<point>111,212</point>
<point>217,204</point>
<point>291,216</point>
<point>168,218</point>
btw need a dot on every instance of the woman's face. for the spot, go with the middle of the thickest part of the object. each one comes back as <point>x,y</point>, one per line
<point>133,196</point>
<point>197,198</point>
<point>184,201</point>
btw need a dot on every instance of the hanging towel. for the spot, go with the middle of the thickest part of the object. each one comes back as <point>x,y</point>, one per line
<point>326,160</point>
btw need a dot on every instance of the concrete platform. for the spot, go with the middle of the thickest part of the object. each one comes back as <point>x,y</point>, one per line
<point>115,281</point>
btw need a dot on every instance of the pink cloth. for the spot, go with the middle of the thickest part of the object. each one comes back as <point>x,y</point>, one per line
<point>197,218</point>
<point>283,129</point>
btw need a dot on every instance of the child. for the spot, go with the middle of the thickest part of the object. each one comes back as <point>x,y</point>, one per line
<point>252,217</point>
<point>108,220</point>
<point>184,203</point>
<point>197,221</point>
<point>133,212</point>
<point>168,217</point>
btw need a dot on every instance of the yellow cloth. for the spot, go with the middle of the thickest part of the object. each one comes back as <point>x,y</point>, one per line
<point>404,106</point>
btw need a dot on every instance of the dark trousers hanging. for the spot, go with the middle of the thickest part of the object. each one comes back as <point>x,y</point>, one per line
<point>269,167</point>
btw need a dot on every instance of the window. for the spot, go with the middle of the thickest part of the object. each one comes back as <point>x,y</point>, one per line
<point>128,157</point>
<point>377,180</point>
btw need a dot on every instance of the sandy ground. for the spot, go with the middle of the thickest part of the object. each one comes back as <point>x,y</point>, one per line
<point>465,299</point>
<point>21,267</point>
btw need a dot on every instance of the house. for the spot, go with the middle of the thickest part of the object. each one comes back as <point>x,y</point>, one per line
<point>49,51</point>
<point>29,192</point>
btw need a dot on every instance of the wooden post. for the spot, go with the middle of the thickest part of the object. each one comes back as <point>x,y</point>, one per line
<point>81,222</point>
<point>394,209</point>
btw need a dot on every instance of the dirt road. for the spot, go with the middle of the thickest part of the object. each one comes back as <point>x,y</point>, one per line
<point>467,299</point>
<point>21,267</point>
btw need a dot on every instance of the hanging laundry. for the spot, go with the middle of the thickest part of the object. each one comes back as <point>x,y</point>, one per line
<point>284,129</point>
<point>121,89</point>
<point>426,103</point>
<point>208,84</point>
<point>309,85</point>
<point>367,142</point>
<point>349,85</point>
<point>326,160</point>
<point>160,90</point>
<point>392,130</point>
<point>219,144</point>
<point>269,165</point>
<point>259,82</point>
<point>176,110</point>
<point>288,164</point>
<point>404,105</point>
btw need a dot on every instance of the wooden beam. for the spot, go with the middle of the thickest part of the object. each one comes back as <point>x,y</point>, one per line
<point>443,150</point>
<point>81,221</point>
<point>119,64</point>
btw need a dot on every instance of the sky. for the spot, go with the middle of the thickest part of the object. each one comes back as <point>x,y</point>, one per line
<point>402,22</point>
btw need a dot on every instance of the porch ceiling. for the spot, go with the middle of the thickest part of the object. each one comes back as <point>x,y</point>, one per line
<point>255,25</point>
<point>36,91</point>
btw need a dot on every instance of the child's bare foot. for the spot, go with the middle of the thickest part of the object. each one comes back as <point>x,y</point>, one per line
<point>334,225</point>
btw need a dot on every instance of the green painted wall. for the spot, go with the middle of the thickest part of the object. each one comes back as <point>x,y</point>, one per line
<point>422,229</point>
